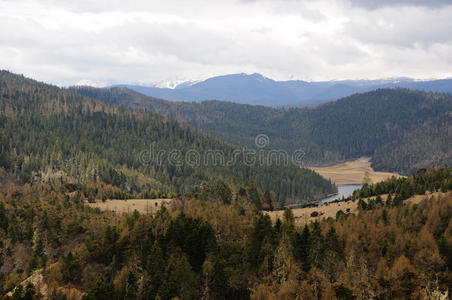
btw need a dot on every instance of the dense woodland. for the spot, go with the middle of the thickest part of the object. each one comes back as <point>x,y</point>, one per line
<point>401,130</point>
<point>398,189</point>
<point>204,247</point>
<point>427,145</point>
<point>47,133</point>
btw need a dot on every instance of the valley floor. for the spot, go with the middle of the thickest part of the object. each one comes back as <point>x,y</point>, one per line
<point>353,172</point>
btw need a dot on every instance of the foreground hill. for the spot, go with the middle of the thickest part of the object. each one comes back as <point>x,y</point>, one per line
<point>382,124</point>
<point>51,134</point>
<point>387,249</point>
<point>256,89</point>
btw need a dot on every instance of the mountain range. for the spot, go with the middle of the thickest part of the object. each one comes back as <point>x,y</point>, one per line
<point>402,130</point>
<point>257,89</point>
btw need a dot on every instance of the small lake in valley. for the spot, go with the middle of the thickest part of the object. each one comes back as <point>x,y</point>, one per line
<point>343,190</point>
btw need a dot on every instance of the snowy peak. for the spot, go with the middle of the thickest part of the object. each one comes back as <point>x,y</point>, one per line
<point>173,83</point>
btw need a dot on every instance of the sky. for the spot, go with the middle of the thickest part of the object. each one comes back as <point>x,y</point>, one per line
<point>103,42</point>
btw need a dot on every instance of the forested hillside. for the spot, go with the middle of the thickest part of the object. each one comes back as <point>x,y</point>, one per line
<point>234,122</point>
<point>427,145</point>
<point>396,127</point>
<point>51,134</point>
<point>204,249</point>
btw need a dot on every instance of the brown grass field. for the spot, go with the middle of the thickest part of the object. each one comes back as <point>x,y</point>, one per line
<point>303,215</point>
<point>352,172</point>
<point>129,205</point>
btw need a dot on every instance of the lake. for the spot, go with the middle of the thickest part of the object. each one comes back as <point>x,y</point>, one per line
<point>343,190</point>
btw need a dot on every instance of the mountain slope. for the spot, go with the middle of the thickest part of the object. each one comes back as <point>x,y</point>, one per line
<point>358,125</point>
<point>52,134</point>
<point>430,144</point>
<point>256,89</point>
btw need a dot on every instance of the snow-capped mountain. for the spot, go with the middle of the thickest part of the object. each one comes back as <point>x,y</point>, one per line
<point>257,89</point>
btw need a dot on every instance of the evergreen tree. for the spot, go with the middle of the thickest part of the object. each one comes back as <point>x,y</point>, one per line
<point>268,200</point>
<point>302,248</point>
<point>100,291</point>
<point>317,242</point>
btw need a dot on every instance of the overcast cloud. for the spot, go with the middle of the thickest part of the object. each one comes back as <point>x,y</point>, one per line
<point>105,42</point>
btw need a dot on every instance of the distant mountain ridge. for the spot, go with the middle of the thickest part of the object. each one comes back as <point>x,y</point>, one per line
<point>256,89</point>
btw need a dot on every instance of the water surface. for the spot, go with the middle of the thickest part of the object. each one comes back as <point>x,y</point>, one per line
<point>343,190</point>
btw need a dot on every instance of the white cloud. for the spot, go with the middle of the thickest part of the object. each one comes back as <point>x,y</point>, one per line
<point>374,4</point>
<point>104,42</point>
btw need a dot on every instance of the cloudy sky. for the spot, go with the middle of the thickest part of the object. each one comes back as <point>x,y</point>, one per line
<point>116,41</point>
